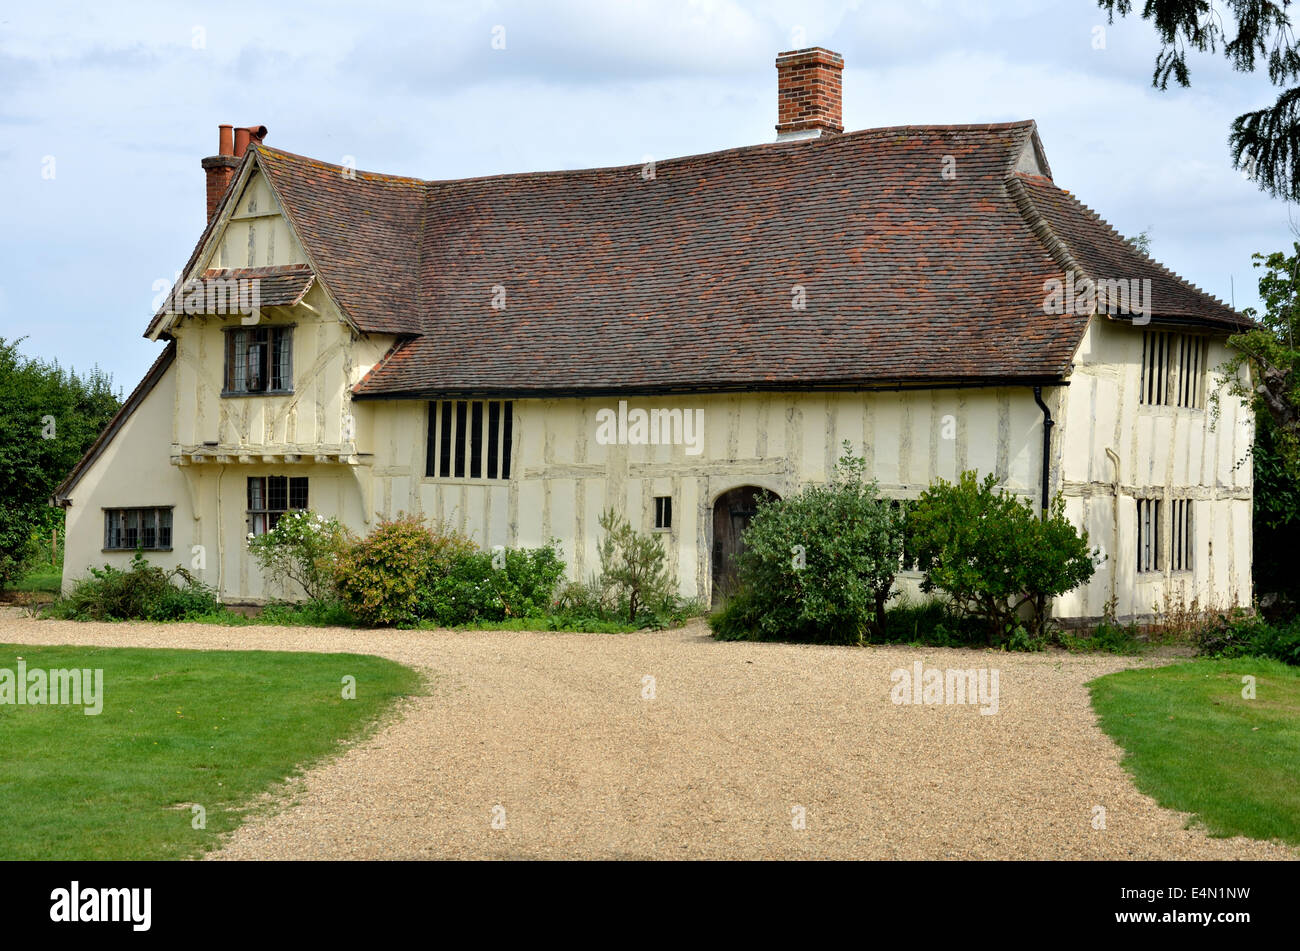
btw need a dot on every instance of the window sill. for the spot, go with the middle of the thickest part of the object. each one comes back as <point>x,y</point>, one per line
<point>129,551</point>
<point>236,394</point>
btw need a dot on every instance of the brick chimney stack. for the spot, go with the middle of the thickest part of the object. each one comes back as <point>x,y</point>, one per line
<point>232,143</point>
<point>808,94</point>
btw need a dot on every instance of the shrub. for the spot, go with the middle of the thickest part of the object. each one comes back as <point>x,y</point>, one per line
<point>492,586</point>
<point>1238,634</point>
<point>383,578</point>
<point>737,619</point>
<point>931,622</point>
<point>326,612</point>
<point>145,592</point>
<point>818,565</point>
<point>301,550</point>
<point>991,554</point>
<point>632,567</point>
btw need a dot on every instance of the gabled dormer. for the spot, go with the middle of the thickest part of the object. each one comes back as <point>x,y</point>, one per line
<point>266,357</point>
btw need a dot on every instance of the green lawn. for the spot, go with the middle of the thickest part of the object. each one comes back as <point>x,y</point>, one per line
<point>1194,744</point>
<point>46,578</point>
<point>178,727</point>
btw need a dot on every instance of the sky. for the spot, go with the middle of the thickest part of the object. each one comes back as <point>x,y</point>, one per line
<point>107,109</point>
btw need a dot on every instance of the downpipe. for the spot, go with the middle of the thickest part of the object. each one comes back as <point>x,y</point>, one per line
<point>1048,423</point>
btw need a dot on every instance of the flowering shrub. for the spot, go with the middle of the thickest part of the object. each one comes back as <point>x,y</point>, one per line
<point>302,549</point>
<point>385,577</point>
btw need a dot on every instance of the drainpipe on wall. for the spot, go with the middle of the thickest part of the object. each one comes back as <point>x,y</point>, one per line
<point>1048,423</point>
<point>221,548</point>
<point>1114,551</point>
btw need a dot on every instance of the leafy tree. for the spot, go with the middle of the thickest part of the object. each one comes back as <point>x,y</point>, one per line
<point>1268,352</point>
<point>992,554</point>
<point>49,416</point>
<point>818,565</point>
<point>1265,142</point>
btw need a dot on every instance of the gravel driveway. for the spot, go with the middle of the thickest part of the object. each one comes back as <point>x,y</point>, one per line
<point>739,742</point>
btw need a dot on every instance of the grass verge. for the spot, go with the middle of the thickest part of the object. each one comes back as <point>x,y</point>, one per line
<point>1194,743</point>
<point>178,728</point>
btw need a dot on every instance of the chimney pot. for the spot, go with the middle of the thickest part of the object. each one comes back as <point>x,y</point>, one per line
<point>232,143</point>
<point>808,93</point>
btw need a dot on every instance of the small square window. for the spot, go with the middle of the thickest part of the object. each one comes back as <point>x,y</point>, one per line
<point>663,512</point>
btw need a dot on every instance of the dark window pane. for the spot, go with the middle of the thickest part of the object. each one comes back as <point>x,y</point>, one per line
<point>493,438</point>
<point>462,414</point>
<point>277,493</point>
<point>476,440</point>
<point>444,464</point>
<point>164,528</point>
<point>298,492</point>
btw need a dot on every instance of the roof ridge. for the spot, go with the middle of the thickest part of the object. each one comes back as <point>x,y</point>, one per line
<point>1040,227</point>
<point>1028,125</point>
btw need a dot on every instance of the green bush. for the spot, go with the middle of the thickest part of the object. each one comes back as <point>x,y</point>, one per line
<point>492,586</point>
<point>633,572</point>
<point>1238,634</point>
<point>384,578</point>
<point>303,550</point>
<point>738,618</point>
<point>931,622</point>
<point>817,566</point>
<point>325,612</point>
<point>993,557</point>
<point>143,593</point>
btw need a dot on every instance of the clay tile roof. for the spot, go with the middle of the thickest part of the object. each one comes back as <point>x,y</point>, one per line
<point>687,276</point>
<point>280,285</point>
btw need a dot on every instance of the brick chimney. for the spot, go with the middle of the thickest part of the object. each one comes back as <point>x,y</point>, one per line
<point>808,94</point>
<point>232,143</point>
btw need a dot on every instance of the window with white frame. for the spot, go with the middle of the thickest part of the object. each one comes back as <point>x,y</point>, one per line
<point>1173,366</point>
<point>469,439</point>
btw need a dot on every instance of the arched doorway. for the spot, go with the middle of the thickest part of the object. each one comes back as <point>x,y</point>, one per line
<point>732,513</point>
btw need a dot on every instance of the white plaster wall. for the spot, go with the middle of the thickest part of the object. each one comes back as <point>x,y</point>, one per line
<point>1163,452</point>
